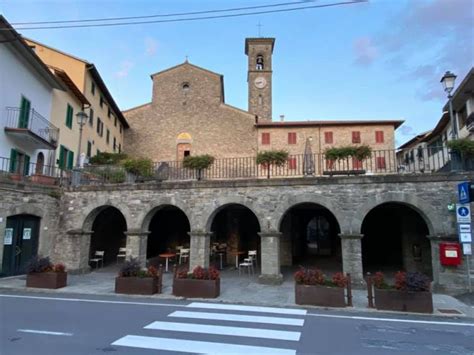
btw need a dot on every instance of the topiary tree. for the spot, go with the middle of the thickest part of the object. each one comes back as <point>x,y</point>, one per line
<point>361,152</point>
<point>198,163</point>
<point>271,158</point>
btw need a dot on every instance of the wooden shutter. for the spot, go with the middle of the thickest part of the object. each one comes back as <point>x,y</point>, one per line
<point>24,113</point>
<point>26,167</point>
<point>355,137</point>
<point>379,138</point>
<point>70,160</point>
<point>61,157</point>
<point>69,116</point>
<point>265,138</point>
<point>292,163</point>
<point>13,160</point>
<point>381,163</point>
<point>291,137</point>
<point>328,137</point>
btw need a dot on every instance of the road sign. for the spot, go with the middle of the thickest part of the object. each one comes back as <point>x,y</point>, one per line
<point>463,213</point>
<point>464,192</point>
<point>466,249</point>
<point>465,233</point>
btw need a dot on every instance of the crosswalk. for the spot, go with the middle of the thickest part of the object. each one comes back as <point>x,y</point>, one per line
<point>208,328</point>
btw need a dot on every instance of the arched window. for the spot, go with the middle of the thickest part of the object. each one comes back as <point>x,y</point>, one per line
<point>259,62</point>
<point>39,163</point>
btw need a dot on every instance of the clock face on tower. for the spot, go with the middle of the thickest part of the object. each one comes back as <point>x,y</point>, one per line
<point>260,82</point>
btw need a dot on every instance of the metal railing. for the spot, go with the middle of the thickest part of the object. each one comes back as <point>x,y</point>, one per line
<point>20,170</point>
<point>17,118</point>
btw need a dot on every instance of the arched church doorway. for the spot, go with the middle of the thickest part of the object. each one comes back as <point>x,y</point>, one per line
<point>310,238</point>
<point>395,238</point>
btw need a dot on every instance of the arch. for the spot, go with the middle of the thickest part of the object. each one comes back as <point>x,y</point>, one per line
<point>432,220</point>
<point>211,212</point>
<point>322,201</point>
<point>98,207</point>
<point>39,163</point>
<point>146,215</point>
<point>26,209</point>
<point>184,137</point>
<point>259,62</point>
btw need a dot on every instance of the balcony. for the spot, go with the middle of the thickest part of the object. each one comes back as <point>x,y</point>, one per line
<point>30,129</point>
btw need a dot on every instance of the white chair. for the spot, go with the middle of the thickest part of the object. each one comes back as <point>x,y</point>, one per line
<point>252,257</point>
<point>122,254</point>
<point>248,264</point>
<point>178,251</point>
<point>98,258</point>
<point>183,255</point>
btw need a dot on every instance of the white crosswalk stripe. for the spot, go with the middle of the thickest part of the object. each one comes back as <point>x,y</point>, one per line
<point>281,340</point>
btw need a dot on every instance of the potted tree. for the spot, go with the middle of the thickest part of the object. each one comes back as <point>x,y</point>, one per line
<point>410,293</point>
<point>132,279</point>
<point>198,163</point>
<point>313,288</point>
<point>270,158</point>
<point>42,273</point>
<point>201,283</point>
<point>342,155</point>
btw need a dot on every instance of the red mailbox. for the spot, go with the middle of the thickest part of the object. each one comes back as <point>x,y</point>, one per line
<point>450,254</point>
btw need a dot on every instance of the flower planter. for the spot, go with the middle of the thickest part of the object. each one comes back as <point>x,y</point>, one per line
<point>192,288</point>
<point>406,301</point>
<point>46,279</point>
<point>137,285</point>
<point>43,179</point>
<point>16,177</point>
<point>316,295</point>
<point>344,172</point>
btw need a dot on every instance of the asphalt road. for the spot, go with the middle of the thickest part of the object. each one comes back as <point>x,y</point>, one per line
<point>43,323</point>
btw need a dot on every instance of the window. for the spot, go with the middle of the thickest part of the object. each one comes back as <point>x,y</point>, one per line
<point>19,162</point>
<point>292,163</point>
<point>356,164</point>
<point>120,148</point>
<point>355,137</point>
<point>185,87</point>
<point>115,121</point>
<point>66,158</point>
<point>107,136</point>
<point>93,88</point>
<point>265,138</point>
<point>462,117</point>
<point>291,137</point>
<point>108,112</point>
<point>91,117</point>
<point>328,138</point>
<point>101,101</point>
<point>69,116</point>
<point>100,127</point>
<point>381,163</point>
<point>25,107</point>
<point>259,62</point>
<point>89,149</point>
<point>120,128</point>
<point>115,143</point>
<point>379,137</point>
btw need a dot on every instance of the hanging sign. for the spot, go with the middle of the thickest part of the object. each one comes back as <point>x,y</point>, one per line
<point>27,233</point>
<point>8,239</point>
<point>466,249</point>
<point>463,213</point>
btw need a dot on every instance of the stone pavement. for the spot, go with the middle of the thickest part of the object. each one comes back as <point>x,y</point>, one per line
<point>235,288</point>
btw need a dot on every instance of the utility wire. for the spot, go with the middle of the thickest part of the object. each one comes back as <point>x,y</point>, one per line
<point>190,18</point>
<point>165,15</point>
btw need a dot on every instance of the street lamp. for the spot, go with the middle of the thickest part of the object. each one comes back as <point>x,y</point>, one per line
<point>81,121</point>
<point>448,85</point>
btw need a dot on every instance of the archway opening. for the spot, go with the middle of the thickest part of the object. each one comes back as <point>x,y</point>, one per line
<point>235,231</point>
<point>310,238</point>
<point>108,234</point>
<point>169,228</point>
<point>395,238</point>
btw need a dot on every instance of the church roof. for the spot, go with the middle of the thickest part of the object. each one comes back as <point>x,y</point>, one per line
<point>395,123</point>
<point>186,63</point>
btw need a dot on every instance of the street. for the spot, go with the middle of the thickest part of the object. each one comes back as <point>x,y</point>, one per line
<point>43,323</point>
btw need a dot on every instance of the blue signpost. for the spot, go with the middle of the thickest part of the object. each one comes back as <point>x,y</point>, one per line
<point>463,218</point>
<point>464,192</point>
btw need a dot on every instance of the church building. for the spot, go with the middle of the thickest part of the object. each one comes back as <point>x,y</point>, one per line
<point>188,115</point>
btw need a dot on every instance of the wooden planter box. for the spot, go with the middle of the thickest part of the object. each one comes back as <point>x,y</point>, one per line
<point>316,295</point>
<point>46,279</point>
<point>43,179</point>
<point>16,177</point>
<point>137,285</point>
<point>344,172</point>
<point>191,288</point>
<point>406,301</point>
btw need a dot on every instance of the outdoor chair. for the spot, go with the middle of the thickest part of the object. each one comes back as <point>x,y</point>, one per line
<point>178,251</point>
<point>183,255</point>
<point>122,254</point>
<point>98,258</point>
<point>248,264</point>
<point>252,257</point>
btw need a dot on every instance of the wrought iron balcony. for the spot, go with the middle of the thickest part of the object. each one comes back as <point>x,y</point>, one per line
<point>31,129</point>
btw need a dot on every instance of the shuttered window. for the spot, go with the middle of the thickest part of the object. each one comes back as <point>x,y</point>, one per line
<point>328,138</point>
<point>379,138</point>
<point>355,137</point>
<point>292,163</point>
<point>265,138</point>
<point>291,137</point>
<point>381,163</point>
<point>69,116</point>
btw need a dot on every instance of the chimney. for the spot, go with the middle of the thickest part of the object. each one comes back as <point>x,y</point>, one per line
<point>282,118</point>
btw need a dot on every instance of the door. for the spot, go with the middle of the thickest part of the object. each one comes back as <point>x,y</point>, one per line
<point>20,243</point>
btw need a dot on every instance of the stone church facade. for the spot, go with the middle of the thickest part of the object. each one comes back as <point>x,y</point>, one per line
<point>188,116</point>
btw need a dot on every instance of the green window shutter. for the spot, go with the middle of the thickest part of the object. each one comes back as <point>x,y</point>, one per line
<point>24,113</point>
<point>69,116</point>
<point>13,162</point>
<point>61,157</point>
<point>26,168</point>
<point>70,160</point>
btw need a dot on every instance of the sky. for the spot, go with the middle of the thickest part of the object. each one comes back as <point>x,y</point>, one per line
<point>381,59</point>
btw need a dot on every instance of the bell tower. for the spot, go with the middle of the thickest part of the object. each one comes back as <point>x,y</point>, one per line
<point>259,78</point>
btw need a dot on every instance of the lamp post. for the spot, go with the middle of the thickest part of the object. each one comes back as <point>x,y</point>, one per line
<point>81,121</point>
<point>448,85</point>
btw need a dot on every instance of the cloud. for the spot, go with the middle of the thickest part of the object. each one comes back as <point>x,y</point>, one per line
<point>151,46</point>
<point>364,50</point>
<point>406,130</point>
<point>125,67</point>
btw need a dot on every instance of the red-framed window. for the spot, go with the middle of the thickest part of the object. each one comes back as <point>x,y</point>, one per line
<point>356,164</point>
<point>265,138</point>
<point>381,164</point>
<point>379,138</point>
<point>328,138</point>
<point>292,163</point>
<point>291,137</point>
<point>355,136</point>
<point>329,164</point>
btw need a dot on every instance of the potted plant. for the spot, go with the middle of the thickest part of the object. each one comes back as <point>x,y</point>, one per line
<point>43,179</point>
<point>142,168</point>
<point>358,154</point>
<point>41,273</point>
<point>133,279</point>
<point>270,158</point>
<point>410,293</point>
<point>198,163</point>
<point>313,288</point>
<point>201,283</point>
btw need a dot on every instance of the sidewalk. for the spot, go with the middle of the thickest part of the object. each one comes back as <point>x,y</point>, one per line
<point>234,289</point>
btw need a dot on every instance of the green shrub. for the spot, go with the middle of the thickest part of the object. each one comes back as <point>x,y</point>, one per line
<point>198,162</point>
<point>339,153</point>
<point>104,158</point>
<point>272,157</point>
<point>463,146</point>
<point>139,167</point>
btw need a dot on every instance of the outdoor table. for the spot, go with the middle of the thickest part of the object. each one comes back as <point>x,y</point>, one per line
<point>237,253</point>
<point>167,256</point>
